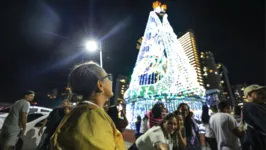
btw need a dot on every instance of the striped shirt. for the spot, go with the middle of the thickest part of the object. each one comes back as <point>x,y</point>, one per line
<point>153,121</point>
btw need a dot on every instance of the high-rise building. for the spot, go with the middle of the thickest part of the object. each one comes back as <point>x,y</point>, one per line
<point>121,86</point>
<point>211,76</point>
<point>188,43</point>
<point>226,86</point>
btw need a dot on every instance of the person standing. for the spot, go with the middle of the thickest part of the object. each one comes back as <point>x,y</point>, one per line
<point>209,135</point>
<point>144,125</point>
<point>15,123</point>
<point>88,126</point>
<point>137,126</point>
<point>121,121</point>
<point>51,123</point>
<point>155,115</point>
<point>254,114</point>
<point>224,126</point>
<point>191,128</point>
<point>179,138</point>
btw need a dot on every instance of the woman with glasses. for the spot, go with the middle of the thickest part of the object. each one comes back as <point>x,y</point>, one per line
<point>88,126</point>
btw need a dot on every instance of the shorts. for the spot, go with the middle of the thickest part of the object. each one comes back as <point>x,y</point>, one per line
<point>9,139</point>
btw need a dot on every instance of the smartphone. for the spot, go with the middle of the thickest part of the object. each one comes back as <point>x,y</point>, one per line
<point>120,109</point>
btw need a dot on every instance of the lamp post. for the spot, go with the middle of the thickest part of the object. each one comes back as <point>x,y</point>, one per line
<point>93,45</point>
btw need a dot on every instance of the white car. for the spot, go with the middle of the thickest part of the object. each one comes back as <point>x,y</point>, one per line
<point>35,119</point>
<point>31,139</point>
<point>33,109</point>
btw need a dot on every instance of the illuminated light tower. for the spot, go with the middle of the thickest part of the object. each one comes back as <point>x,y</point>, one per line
<point>162,71</point>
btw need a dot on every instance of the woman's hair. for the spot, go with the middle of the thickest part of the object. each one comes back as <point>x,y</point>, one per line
<point>165,109</point>
<point>83,79</point>
<point>157,110</point>
<point>205,117</point>
<point>167,118</point>
<point>113,113</point>
<point>188,122</point>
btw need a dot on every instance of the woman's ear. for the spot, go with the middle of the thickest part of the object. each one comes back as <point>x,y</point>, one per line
<point>99,87</point>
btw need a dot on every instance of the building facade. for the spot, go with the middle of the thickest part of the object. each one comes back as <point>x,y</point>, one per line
<point>188,43</point>
<point>211,75</point>
<point>238,91</point>
<point>121,85</point>
<point>226,85</point>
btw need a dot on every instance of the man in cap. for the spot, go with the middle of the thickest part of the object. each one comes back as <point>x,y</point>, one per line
<point>254,113</point>
<point>250,93</point>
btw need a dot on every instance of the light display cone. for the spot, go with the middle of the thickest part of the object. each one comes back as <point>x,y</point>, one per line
<point>162,70</point>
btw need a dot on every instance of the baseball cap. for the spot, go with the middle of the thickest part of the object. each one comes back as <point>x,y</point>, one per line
<point>253,87</point>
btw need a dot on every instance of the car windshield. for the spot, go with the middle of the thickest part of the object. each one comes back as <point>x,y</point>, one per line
<point>33,110</point>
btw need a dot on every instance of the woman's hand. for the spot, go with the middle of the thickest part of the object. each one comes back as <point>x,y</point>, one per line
<point>180,128</point>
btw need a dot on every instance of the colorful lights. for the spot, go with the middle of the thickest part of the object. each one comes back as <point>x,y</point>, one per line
<point>162,71</point>
<point>162,67</point>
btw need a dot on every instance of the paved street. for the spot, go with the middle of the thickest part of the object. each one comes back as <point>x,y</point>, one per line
<point>128,144</point>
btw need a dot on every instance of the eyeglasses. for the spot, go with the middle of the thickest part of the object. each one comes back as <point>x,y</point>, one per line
<point>109,77</point>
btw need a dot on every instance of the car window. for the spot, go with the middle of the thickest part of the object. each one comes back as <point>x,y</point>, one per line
<point>44,110</point>
<point>39,124</point>
<point>32,117</point>
<point>33,110</point>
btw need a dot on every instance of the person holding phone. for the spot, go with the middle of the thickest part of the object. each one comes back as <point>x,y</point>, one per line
<point>120,121</point>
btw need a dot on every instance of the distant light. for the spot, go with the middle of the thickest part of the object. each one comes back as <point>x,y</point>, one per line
<point>122,80</point>
<point>91,45</point>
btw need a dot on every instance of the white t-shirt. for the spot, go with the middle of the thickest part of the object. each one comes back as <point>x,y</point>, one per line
<point>222,125</point>
<point>208,131</point>
<point>148,140</point>
<point>11,123</point>
<point>144,126</point>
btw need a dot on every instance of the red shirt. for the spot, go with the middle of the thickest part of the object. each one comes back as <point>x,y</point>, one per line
<point>153,121</point>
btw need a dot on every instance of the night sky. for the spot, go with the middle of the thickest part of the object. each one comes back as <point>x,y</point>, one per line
<point>43,40</point>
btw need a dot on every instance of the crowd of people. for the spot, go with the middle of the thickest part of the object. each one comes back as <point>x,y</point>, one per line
<point>89,126</point>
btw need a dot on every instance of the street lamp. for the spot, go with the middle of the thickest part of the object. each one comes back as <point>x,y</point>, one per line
<point>93,45</point>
